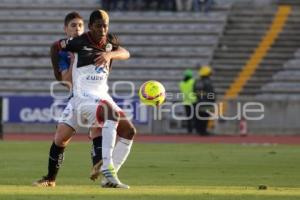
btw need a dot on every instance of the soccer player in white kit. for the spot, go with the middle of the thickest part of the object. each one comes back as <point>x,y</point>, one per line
<point>92,105</point>
<point>90,89</point>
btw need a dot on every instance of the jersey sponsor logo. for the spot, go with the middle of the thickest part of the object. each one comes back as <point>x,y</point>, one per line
<point>100,69</point>
<point>94,78</point>
<point>108,47</point>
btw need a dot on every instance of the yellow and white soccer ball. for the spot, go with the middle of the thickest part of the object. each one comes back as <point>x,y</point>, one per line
<point>152,93</point>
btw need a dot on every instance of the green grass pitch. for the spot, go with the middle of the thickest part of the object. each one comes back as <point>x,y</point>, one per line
<point>157,171</point>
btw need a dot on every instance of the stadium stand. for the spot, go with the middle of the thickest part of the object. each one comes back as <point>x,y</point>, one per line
<point>278,95</point>
<point>243,32</point>
<point>165,42</point>
<point>285,83</point>
<point>242,35</point>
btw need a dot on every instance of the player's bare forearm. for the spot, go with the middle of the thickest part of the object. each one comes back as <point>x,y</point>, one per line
<point>67,74</point>
<point>120,54</point>
<point>105,57</point>
<point>54,60</point>
<point>67,78</point>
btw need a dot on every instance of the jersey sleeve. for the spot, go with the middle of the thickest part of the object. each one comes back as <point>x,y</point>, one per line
<point>114,40</point>
<point>71,44</point>
<point>64,61</point>
<point>55,47</point>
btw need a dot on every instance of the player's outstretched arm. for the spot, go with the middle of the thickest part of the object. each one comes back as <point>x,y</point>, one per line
<point>120,54</point>
<point>104,57</point>
<point>54,49</point>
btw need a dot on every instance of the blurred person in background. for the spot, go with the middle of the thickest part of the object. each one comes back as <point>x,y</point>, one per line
<point>184,5</point>
<point>186,87</point>
<point>206,95</point>
<point>166,5</point>
<point>202,5</point>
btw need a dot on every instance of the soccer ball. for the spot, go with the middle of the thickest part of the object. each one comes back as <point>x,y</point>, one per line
<point>152,93</point>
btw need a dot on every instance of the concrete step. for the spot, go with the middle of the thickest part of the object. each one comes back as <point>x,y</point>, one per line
<point>241,62</point>
<point>263,26</point>
<point>288,2</point>
<point>113,27</point>
<point>232,38</point>
<point>286,50</point>
<point>11,14</point>
<point>282,87</point>
<point>151,52</point>
<point>126,43</point>
<point>251,32</point>
<point>225,86</point>
<point>262,11</point>
<point>250,92</point>
<point>133,63</point>
<point>251,85</point>
<point>234,74</point>
<point>116,74</point>
<point>251,44</point>
<point>254,32</point>
<point>287,76</point>
<point>123,32</point>
<point>46,6</point>
<point>128,40</point>
<point>250,19</point>
<point>220,68</point>
<point>245,56</point>
<point>258,38</point>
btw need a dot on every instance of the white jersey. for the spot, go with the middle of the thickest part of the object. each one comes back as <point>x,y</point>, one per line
<point>89,80</point>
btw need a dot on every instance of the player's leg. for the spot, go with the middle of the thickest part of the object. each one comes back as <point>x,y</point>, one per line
<point>110,116</point>
<point>96,151</point>
<point>105,113</point>
<point>62,137</point>
<point>65,130</point>
<point>126,132</point>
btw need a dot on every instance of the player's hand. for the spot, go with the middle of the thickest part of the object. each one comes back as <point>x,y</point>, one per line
<point>102,58</point>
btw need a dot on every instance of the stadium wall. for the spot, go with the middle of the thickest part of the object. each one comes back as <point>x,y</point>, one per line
<point>280,116</point>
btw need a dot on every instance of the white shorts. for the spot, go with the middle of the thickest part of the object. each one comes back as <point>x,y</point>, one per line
<point>82,112</point>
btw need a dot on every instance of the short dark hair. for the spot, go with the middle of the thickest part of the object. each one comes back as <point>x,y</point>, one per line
<point>70,16</point>
<point>98,14</point>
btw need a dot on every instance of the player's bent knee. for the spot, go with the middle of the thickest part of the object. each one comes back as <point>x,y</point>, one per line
<point>63,135</point>
<point>115,116</point>
<point>129,133</point>
<point>106,112</point>
<point>95,132</point>
<point>133,132</point>
<point>61,142</point>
